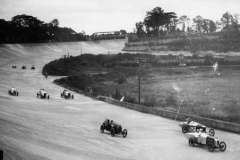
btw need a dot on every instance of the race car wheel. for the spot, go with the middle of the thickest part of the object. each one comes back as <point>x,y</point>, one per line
<point>9,92</point>
<point>191,142</point>
<point>222,146</point>
<point>112,132</point>
<point>210,146</point>
<point>102,128</point>
<point>72,96</point>
<point>17,93</point>
<point>184,129</point>
<point>211,132</point>
<point>48,96</point>
<point>124,133</point>
<point>61,95</point>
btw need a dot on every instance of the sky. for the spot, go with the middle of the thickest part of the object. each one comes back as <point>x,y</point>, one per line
<point>111,15</point>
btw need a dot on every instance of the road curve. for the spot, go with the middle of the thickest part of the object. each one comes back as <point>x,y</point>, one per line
<point>33,128</point>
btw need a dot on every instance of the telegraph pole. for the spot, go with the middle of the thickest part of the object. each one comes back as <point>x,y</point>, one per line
<point>139,60</point>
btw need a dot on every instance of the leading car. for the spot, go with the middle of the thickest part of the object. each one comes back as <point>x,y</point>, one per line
<point>204,139</point>
<point>113,128</point>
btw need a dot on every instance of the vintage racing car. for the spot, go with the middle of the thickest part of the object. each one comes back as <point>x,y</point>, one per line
<point>43,94</point>
<point>191,126</point>
<point>24,67</point>
<point>113,128</point>
<point>202,138</point>
<point>33,67</point>
<point>67,95</point>
<point>12,91</point>
<point>14,66</point>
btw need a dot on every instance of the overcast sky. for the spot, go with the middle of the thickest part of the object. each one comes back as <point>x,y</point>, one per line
<point>111,15</point>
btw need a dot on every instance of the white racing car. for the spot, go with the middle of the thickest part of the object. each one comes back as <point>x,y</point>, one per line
<point>67,95</point>
<point>13,91</point>
<point>202,138</point>
<point>43,94</point>
<point>191,126</point>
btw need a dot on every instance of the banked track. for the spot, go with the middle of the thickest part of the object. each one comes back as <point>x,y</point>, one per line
<point>31,128</point>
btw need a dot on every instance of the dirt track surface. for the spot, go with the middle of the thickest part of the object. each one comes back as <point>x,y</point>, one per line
<point>33,128</point>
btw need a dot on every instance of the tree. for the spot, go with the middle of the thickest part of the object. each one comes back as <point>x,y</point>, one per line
<point>198,21</point>
<point>139,28</point>
<point>169,21</point>
<point>54,23</point>
<point>154,19</point>
<point>158,18</point>
<point>212,26</point>
<point>227,20</point>
<point>183,20</point>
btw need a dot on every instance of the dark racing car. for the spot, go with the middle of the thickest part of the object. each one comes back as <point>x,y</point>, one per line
<point>24,67</point>
<point>113,128</point>
<point>67,95</point>
<point>13,91</point>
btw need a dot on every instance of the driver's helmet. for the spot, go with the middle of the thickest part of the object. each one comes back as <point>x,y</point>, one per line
<point>188,120</point>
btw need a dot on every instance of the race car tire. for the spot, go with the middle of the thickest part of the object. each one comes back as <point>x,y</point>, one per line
<point>222,146</point>
<point>72,96</point>
<point>17,93</point>
<point>61,95</point>
<point>210,146</point>
<point>124,133</point>
<point>184,129</point>
<point>191,142</point>
<point>9,92</point>
<point>102,129</point>
<point>211,132</point>
<point>112,131</point>
<point>48,97</point>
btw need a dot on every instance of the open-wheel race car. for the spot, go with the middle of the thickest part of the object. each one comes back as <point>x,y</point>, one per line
<point>24,67</point>
<point>191,126</point>
<point>113,128</point>
<point>33,67</point>
<point>12,91</point>
<point>43,94</point>
<point>67,95</point>
<point>14,66</point>
<point>202,138</point>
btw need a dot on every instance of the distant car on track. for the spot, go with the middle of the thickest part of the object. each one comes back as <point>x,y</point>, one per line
<point>191,126</point>
<point>33,67</point>
<point>14,66</point>
<point>24,67</point>
<point>202,138</point>
<point>67,95</point>
<point>43,94</point>
<point>113,128</point>
<point>13,91</point>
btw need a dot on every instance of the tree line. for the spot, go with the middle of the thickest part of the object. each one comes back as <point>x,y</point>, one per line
<point>28,29</point>
<point>157,22</point>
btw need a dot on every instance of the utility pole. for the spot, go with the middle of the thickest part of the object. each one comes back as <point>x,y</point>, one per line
<point>139,84</point>
<point>139,60</point>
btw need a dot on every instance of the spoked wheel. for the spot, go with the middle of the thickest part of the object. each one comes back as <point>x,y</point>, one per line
<point>124,133</point>
<point>222,146</point>
<point>184,129</point>
<point>112,132</point>
<point>191,142</point>
<point>210,146</point>
<point>211,132</point>
<point>102,129</point>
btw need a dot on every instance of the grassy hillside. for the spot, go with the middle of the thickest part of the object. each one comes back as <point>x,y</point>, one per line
<point>196,90</point>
